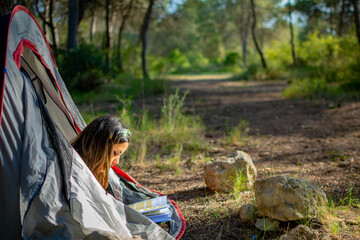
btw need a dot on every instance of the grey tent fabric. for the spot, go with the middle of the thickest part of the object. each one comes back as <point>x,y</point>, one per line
<point>129,192</point>
<point>47,191</point>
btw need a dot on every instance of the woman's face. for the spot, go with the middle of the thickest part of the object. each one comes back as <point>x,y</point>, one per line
<point>116,152</point>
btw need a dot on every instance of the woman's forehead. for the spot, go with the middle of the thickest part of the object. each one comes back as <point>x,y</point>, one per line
<point>120,147</point>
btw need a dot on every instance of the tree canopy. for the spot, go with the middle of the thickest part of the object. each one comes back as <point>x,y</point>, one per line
<point>151,37</point>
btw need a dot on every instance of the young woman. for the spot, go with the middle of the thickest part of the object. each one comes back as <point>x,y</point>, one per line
<point>100,145</point>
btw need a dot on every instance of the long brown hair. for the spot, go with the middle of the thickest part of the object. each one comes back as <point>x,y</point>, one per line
<point>95,142</point>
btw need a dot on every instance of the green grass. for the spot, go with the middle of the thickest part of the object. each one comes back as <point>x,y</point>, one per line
<point>172,135</point>
<point>349,198</point>
<point>335,227</point>
<point>122,87</point>
<point>311,89</point>
<point>339,208</point>
<point>224,75</point>
<point>317,88</point>
<point>240,183</point>
<point>238,134</point>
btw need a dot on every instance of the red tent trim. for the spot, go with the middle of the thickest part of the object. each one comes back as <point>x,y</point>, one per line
<point>15,10</point>
<point>17,59</point>
<point>24,9</point>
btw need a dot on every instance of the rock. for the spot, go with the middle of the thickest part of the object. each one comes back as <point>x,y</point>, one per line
<point>247,213</point>
<point>286,199</point>
<point>267,224</point>
<point>220,175</point>
<point>302,232</point>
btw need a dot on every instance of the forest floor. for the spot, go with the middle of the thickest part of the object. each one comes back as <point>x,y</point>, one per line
<point>316,140</point>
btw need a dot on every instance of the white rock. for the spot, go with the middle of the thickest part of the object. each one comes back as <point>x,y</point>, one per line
<point>247,213</point>
<point>287,199</point>
<point>220,175</point>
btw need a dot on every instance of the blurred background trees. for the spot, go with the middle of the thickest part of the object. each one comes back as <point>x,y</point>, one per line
<point>314,44</point>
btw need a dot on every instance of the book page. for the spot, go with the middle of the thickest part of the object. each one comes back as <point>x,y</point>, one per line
<point>150,204</point>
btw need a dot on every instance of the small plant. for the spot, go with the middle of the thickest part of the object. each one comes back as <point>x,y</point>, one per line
<point>173,133</point>
<point>334,227</point>
<point>337,156</point>
<point>240,183</point>
<point>172,108</point>
<point>238,134</point>
<point>200,158</point>
<point>269,172</point>
<point>349,198</point>
<point>177,128</point>
<point>327,217</point>
<point>175,160</point>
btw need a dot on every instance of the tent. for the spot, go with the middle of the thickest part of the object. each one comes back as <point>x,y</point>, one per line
<point>47,191</point>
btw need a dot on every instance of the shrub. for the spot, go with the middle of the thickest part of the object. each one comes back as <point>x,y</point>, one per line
<point>232,59</point>
<point>178,61</point>
<point>82,68</point>
<point>252,70</point>
<point>321,54</point>
<point>279,56</point>
<point>198,61</point>
<point>308,88</point>
<point>328,67</point>
<point>158,65</point>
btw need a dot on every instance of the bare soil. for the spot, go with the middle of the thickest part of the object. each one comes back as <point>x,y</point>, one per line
<point>316,140</point>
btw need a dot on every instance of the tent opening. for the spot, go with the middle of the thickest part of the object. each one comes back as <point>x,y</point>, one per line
<point>46,87</point>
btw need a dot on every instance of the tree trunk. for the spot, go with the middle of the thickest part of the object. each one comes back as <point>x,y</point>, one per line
<point>44,27</point>
<point>107,33</point>
<point>46,5</point>
<point>47,20</point>
<point>107,20</point>
<point>44,23</point>
<point>73,22</point>
<point>245,37</point>
<point>111,31</point>
<point>82,7</point>
<point>243,23</point>
<point>92,26</point>
<point>331,21</point>
<point>291,34</point>
<point>51,25</point>
<point>341,18</point>
<point>121,30</point>
<point>143,38</point>
<point>6,7</point>
<point>356,19</point>
<point>254,36</point>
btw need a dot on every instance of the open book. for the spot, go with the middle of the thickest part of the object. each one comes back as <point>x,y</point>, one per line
<point>157,209</point>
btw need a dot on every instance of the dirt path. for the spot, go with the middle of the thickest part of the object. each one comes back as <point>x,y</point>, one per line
<point>319,141</point>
